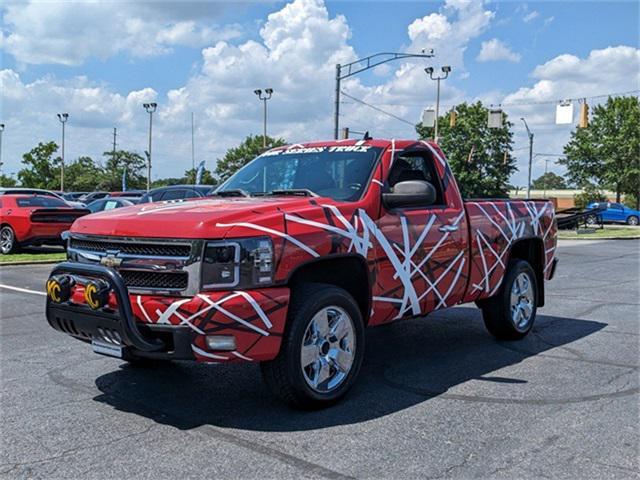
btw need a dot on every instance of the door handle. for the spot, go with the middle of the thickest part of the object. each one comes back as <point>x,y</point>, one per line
<point>448,228</point>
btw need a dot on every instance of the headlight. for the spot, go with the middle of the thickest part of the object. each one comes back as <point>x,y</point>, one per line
<point>242,263</point>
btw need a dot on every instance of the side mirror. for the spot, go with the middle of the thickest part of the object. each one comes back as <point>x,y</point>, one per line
<point>410,193</point>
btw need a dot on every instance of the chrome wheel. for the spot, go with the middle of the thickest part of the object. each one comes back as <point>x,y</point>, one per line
<point>6,240</point>
<point>328,349</point>
<point>522,301</point>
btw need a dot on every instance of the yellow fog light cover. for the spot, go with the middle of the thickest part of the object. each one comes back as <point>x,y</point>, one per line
<point>59,288</point>
<point>96,294</point>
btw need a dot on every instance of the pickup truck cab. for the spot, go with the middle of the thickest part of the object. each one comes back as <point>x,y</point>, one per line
<point>294,256</point>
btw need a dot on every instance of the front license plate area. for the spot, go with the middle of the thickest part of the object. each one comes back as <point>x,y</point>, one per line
<point>108,349</point>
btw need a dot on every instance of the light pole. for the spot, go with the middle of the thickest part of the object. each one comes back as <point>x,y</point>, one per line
<point>530,135</point>
<point>429,71</point>
<point>268,93</point>
<point>63,117</point>
<point>150,108</point>
<point>360,65</point>
<point>1,130</point>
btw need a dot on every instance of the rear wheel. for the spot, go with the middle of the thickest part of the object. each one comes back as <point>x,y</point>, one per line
<point>322,348</point>
<point>510,314</point>
<point>8,242</point>
<point>632,220</point>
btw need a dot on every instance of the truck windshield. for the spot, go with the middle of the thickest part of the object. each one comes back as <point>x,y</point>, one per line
<point>338,172</point>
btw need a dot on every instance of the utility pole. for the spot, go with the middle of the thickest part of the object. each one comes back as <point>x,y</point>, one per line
<point>268,93</point>
<point>63,117</point>
<point>193,147</point>
<point>360,65</point>
<point>530,155</point>
<point>429,71</point>
<point>150,108</point>
<point>114,142</point>
<point>1,130</point>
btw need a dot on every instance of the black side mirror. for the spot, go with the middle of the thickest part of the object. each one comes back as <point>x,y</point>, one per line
<point>410,193</point>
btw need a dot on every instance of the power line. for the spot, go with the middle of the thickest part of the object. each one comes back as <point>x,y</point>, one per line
<point>378,109</point>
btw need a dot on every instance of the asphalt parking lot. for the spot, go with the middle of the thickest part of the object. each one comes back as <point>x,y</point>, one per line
<point>437,398</point>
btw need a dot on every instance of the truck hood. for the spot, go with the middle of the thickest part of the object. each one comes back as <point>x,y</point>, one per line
<point>197,218</point>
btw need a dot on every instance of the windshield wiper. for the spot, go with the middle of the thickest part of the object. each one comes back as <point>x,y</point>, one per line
<point>236,192</point>
<point>299,192</point>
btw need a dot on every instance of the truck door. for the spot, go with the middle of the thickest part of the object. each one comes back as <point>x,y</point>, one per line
<point>422,257</point>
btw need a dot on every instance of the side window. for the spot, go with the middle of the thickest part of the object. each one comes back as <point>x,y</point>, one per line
<point>176,194</point>
<point>616,206</point>
<point>191,194</point>
<point>110,204</point>
<point>415,166</point>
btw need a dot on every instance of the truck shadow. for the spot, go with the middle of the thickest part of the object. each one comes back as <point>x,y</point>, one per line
<point>405,364</point>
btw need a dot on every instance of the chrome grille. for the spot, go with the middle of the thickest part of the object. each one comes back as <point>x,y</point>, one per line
<point>132,248</point>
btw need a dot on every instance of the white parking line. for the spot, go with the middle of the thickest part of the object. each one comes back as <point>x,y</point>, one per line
<point>23,290</point>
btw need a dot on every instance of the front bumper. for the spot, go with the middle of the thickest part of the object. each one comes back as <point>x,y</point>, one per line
<point>154,326</point>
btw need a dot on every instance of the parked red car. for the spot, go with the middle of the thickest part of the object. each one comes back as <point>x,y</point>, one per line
<point>34,220</point>
<point>291,258</point>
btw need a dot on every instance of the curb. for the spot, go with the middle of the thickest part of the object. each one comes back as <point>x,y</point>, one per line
<point>599,238</point>
<point>30,262</point>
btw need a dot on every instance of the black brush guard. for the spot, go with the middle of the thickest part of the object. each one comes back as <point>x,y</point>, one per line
<point>82,322</point>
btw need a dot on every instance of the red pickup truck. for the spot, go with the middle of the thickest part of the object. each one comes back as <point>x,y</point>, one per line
<point>293,256</point>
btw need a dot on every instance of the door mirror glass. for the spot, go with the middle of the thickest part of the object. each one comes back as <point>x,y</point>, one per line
<point>410,193</point>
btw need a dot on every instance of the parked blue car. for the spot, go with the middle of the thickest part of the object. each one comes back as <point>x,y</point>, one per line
<point>615,213</point>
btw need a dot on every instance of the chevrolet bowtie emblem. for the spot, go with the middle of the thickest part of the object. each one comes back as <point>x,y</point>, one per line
<point>110,261</point>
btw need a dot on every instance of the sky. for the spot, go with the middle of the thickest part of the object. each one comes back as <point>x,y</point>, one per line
<point>100,61</point>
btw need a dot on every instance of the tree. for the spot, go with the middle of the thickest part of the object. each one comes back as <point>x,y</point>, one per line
<point>6,181</point>
<point>479,156</point>
<point>116,164</point>
<point>237,157</point>
<point>82,175</point>
<point>607,152</point>
<point>41,170</point>
<point>549,181</point>
<point>207,177</point>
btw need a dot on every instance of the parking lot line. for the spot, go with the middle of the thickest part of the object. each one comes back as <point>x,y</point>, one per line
<point>23,290</point>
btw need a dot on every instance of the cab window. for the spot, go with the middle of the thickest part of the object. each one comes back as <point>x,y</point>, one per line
<point>415,166</point>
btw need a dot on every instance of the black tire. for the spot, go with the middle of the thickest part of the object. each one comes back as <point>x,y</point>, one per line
<point>284,375</point>
<point>632,220</point>
<point>592,220</point>
<point>8,242</point>
<point>497,311</point>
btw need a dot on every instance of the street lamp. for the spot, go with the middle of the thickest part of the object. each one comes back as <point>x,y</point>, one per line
<point>361,65</point>
<point>530,135</point>
<point>63,117</point>
<point>150,108</point>
<point>268,93</point>
<point>429,71</point>
<point>1,130</point>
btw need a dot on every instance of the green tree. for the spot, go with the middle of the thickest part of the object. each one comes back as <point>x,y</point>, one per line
<point>607,152</point>
<point>82,175</point>
<point>7,181</point>
<point>237,157</point>
<point>207,177</point>
<point>479,156</point>
<point>549,181</point>
<point>41,170</point>
<point>115,165</point>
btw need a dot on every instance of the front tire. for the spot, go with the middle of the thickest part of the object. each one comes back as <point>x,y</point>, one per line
<point>322,348</point>
<point>8,243</point>
<point>511,313</point>
<point>632,220</point>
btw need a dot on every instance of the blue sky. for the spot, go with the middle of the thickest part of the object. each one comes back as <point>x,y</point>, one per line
<point>208,57</point>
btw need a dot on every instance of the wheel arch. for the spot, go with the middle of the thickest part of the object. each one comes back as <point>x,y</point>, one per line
<point>531,249</point>
<point>347,271</point>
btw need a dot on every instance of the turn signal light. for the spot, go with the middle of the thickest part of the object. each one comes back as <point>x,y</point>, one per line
<point>96,293</point>
<point>59,288</point>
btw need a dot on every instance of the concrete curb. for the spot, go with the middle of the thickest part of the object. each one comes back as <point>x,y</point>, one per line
<point>599,238</point>
<point>30,262</point>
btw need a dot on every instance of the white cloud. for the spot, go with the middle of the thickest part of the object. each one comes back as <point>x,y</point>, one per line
<point>69,33</point>
<point>532,15</point>
<point>494,49</point>
<point>549,20</point>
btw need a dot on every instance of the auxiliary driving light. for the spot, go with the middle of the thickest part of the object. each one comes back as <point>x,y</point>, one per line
<point>221,342</point>
<point>59,288</point>
<point>96,293</point>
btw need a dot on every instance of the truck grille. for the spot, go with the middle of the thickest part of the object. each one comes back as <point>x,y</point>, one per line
<point>132,248</point>
<point>155,280</point>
